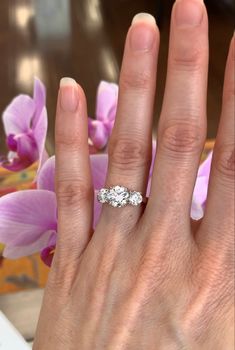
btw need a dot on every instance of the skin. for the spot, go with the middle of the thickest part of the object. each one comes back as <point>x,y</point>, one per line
<point>147,278</point>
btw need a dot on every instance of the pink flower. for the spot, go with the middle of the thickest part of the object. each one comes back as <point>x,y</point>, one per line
<point>25,124</point>
<point>201,188</point>
<point>106,107</point>
<point>28,219</point>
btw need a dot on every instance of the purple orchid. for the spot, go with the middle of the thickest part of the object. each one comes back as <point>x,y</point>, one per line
<point>28,219</point>
<point>106,107</point>
<point>201,189</point>
<point>25,124</point>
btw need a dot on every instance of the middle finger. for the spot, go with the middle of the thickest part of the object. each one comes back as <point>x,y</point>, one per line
<point>182,126</point>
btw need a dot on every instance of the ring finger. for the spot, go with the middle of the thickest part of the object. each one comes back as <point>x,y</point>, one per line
<point>131,139</point>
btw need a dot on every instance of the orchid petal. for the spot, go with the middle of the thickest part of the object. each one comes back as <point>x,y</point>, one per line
<point>98,133</point>
<point>45,156</point>
<point>109,124</point>
<point>154,150</point>
<point>205,167</point>
<point>202,182</point>
<point>48,252</point>
<point>197,211</point>
<point>26,148</point>
<point>14,163</point>
<point>106,103</point>
<point>46,176</point>
<point>18,115</point>
<point>26,154</point>
<point>39,133</point>
<point>148,188</point>
<point>11,143</point>
<point>47,255</point>
<point>52,240</point>
<point>99,166</point>
<point>200,190</point>
<point>92,148</point>
<point>39,97</point>
<point>15,252</point>
<point>26,215</point>
<point>25,124</point>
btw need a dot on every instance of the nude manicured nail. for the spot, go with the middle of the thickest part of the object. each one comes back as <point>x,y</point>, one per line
<point>145,17</point>
<point>189,13</point>
<point>68,94</point>
<point>142,37</point>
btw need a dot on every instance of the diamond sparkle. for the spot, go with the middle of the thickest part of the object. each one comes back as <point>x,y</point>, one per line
<point>102,195</point>
<point>119,196</point>
<point>135,198</point>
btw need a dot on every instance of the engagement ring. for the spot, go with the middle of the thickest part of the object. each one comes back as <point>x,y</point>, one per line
<point>119,196</point>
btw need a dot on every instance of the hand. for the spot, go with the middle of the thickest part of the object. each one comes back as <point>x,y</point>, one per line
<point>145,279</point>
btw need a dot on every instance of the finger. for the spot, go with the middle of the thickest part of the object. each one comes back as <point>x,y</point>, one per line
<point>182,126</point>
<point>218,221</point>
<point>131,140</point>
<point>73,176</point>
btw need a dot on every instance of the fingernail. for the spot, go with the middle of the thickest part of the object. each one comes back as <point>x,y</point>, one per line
<point>68,94</point>
<point>189,13</point>
<point>143,17</point>
<point>142,37</point>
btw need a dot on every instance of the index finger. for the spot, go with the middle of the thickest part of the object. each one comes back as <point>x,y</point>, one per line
<point>73,176</point>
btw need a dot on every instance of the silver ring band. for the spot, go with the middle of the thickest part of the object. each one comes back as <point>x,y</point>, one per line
<point>120,196</point>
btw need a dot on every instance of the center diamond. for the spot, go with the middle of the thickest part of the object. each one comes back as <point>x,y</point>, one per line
<point>118,196</point>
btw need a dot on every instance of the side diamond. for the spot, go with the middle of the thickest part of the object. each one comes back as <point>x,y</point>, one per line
<point>135,198</point>
<point>102,195</point>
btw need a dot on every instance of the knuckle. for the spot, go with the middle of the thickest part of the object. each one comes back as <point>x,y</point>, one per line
<point>126,155</point>
<point>182,138</point>
<point>224,157</point>
<point>136,81</point>
<point>71,193</point>
<point>69,140</point>
<point>186,60</point>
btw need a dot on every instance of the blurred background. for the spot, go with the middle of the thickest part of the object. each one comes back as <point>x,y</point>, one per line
<point>84,39</point>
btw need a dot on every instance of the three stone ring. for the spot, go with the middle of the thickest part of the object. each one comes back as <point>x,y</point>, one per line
<point>120,196</point>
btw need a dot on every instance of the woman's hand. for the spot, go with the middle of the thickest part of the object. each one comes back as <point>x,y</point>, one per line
<point>146,279</point>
